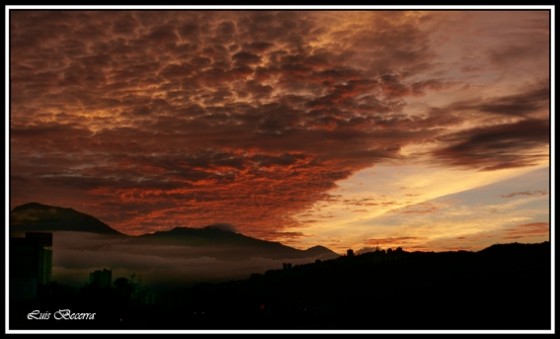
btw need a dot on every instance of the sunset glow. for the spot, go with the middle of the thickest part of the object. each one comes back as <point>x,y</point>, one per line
<point>427,130</point>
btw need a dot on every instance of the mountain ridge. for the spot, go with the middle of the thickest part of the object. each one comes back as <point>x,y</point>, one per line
<point>34,216</point>
<point>217,238</point>
<point>210,236</point>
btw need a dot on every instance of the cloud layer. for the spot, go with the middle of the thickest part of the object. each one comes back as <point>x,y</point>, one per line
<point>149,120</point>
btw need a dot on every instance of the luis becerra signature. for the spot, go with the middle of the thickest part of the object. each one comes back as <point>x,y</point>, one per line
<point>64,314</point>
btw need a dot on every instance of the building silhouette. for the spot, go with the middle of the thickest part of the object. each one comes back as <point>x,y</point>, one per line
<point>286,266</point>
<point>30,264</point>
<point>350,253</point>
<point>101,278</point>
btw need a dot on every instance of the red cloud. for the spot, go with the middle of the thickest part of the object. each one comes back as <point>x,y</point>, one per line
<point>159,119</point>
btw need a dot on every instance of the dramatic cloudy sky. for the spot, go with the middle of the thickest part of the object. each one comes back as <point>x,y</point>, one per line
<point>426,130</point>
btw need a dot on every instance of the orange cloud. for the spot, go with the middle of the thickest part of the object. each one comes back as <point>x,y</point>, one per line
<point>155,119</point>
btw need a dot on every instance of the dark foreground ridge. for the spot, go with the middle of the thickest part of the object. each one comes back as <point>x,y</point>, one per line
<point>503,287</point>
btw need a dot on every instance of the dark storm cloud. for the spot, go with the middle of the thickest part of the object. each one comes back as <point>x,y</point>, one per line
<point>499,146</point>
<point>186,117</point>
<point>519,104</point>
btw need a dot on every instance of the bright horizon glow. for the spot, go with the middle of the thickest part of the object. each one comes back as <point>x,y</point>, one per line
<point>397,188</point>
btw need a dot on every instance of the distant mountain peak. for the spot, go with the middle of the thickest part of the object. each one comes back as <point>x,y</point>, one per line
<point>33,205</point>
<point>35,216</point>
<point>234,243</point>
<point>318,247</point>
<point>223,227</point>
<point>321,251</point>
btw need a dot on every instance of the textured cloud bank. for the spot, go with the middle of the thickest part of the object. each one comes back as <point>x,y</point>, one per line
<point>149,120</point>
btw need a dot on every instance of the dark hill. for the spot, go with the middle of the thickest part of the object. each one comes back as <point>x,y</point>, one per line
<point>398,290</point>
<point>38,217</point>
<point>233,244</point>
<point>219,241</point>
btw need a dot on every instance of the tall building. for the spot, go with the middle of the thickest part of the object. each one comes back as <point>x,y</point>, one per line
<point>30,264</point>
<point>100,278</point>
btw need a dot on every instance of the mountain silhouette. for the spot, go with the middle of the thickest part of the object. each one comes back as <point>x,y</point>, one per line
<point>219,241</point>
<point>505,286</point>
<point>233,244</point>
<point>319,250</point>
<point>38,217</point>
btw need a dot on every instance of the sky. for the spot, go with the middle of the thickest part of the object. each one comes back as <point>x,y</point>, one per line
<point>428,130</point>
